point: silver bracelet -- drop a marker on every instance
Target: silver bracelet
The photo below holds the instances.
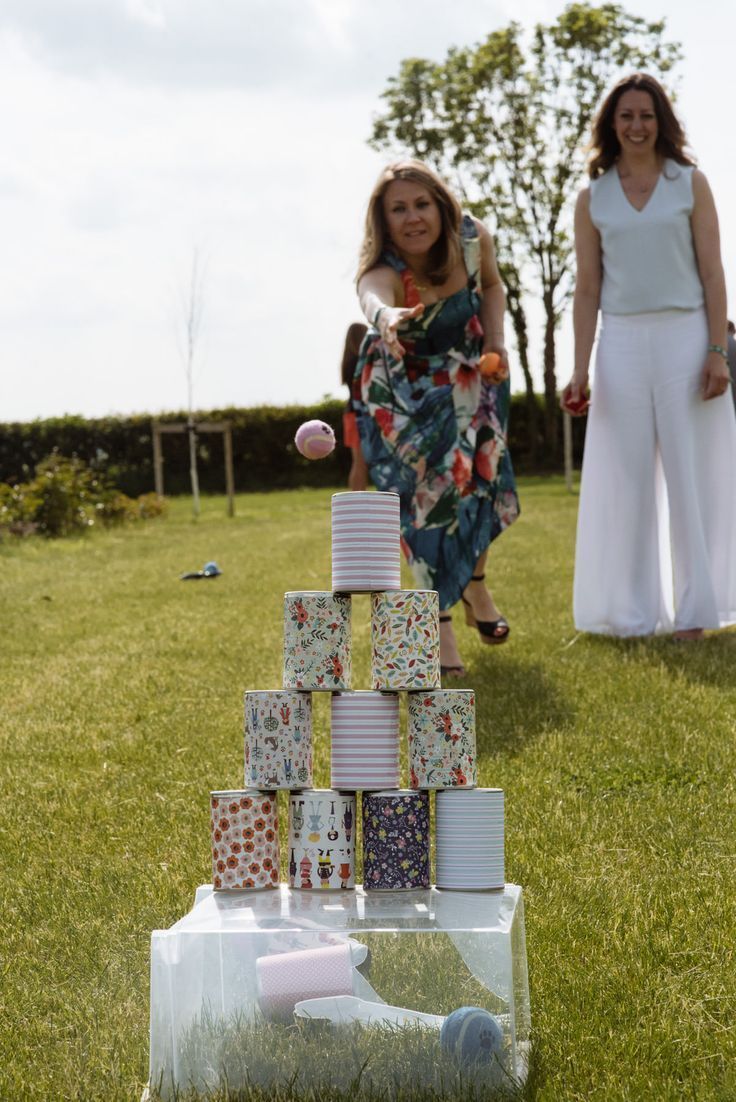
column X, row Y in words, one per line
column 719, row 349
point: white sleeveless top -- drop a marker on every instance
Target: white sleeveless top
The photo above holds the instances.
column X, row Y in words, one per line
column 648, row 255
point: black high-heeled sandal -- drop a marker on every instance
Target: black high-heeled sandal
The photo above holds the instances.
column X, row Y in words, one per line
column 451, row 671
column 490, row 631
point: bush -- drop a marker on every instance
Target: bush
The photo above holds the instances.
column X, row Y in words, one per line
column 17, row 508
column 67, row 496
column 264, row 454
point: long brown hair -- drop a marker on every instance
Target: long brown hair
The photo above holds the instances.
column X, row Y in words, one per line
column 447, row 250
column 605, row 147
column 353, row 339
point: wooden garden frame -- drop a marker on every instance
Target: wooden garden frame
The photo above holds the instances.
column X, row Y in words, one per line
column 225, row 427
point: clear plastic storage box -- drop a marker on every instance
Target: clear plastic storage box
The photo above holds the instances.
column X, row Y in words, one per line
column 325, row 989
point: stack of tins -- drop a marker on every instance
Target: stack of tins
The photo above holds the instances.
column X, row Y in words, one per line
column 364, row 740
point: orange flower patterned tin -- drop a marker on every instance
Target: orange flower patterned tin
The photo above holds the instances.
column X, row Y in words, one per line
column 245, row 840
column 442, row 739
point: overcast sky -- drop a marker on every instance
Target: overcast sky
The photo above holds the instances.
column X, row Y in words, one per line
column 137, row 131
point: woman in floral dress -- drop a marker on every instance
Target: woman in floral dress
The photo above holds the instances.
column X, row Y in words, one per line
column 432, row 429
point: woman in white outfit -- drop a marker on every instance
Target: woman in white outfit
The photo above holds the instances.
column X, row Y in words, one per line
column 656, row 541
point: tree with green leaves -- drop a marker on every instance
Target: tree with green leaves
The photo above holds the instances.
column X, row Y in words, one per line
column 506, row 122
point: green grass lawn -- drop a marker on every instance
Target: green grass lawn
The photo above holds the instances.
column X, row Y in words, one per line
column 121, row 709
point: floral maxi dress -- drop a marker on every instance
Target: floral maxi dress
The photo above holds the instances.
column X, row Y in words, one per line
column 434, row 432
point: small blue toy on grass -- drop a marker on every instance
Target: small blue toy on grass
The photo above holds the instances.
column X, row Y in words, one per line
column 209, row 570
column 472, row 1034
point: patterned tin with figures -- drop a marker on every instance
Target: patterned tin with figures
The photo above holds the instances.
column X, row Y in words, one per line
column 405, row 637
column 317, row 641
column 245, row 840
column 278, row 739
column 321, row 839
column 441, row 735
column 395, row 840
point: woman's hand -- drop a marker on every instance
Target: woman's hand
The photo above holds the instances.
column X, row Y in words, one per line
column 574, row 398
column 388, row 321
column 716, row 378
column 501, row 372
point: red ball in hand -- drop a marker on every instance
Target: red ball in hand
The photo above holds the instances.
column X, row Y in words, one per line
column 580, row 406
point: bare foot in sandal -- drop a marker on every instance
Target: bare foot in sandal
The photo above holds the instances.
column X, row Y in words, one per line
column 451, row 664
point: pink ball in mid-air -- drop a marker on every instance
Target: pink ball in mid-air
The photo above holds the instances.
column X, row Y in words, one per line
column 314, row 439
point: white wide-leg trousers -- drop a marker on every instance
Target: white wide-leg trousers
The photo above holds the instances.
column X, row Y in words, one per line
column 656, row 538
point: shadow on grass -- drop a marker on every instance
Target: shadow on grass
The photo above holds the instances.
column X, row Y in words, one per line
column 712, row 661
column 516, row 703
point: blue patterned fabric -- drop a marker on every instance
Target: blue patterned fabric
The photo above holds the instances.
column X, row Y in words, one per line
column 434, row 431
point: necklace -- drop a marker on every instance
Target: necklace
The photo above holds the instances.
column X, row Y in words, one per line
column 639, row 188
column 640, row 184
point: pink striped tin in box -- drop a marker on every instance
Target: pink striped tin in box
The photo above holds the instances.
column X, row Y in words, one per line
column 365, row 741
column 366, row 548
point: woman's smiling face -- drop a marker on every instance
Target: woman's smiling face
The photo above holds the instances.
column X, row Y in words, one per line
column 635, row 122
column 412, row 217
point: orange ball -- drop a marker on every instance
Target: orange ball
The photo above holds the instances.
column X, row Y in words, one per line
column 489, row 364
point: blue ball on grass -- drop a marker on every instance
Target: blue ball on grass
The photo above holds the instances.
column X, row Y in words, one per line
column 472, row 1035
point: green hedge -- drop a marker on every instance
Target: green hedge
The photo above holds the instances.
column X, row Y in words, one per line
column 264, row 454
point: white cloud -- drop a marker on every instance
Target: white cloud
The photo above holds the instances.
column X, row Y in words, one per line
column 141, row 128
column 149, row 12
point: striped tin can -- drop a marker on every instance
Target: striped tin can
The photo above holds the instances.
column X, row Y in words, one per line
column 405, row 639
column 366, row 548
column 396, row 840
column 317, row 641
column 469, row 828
column 245, row 840
column 365, row 740
column 321, row 839
column 278, row 739
column 441, row 737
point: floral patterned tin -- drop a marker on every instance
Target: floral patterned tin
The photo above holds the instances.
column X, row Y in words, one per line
column 245, row 840
column 322, row 831
column 405, row 636
column 364, row 740
column 278, row 739
column 317, row 641
column 441, row 735
column 366, row 541
column 395, row 840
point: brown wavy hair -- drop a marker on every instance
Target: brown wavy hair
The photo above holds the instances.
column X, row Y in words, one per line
column 353, row 339
column 605, row 147
column 447, row 250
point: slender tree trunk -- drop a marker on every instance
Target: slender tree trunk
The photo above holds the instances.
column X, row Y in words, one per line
column 551, row 410
column 193, row 468
column 518, row 320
